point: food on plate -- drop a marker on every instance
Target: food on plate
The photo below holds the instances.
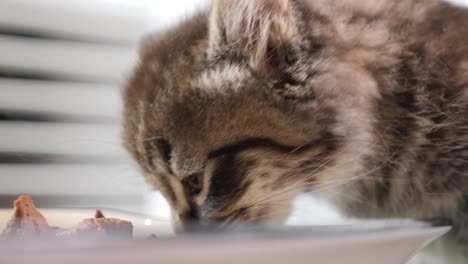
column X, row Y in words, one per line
column 116, row 227
column 28, row 222
column 98, row 214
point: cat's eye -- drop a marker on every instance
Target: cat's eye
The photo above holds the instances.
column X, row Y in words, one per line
column 164, row 148
column 193, row 184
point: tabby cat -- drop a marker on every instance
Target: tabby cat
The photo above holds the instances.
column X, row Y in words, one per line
column 234, row 112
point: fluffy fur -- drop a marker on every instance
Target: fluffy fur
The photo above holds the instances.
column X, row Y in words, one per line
column 236, row 111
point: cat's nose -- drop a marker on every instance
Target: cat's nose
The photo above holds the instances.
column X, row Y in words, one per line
column 189, row 221
column 192, row 222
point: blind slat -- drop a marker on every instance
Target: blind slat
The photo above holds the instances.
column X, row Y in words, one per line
column 121, row 179
column 89, row 140
column 65, row 59
column 115, row 21
column 86, row 100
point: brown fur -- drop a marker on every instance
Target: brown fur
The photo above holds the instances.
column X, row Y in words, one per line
column 266, row 99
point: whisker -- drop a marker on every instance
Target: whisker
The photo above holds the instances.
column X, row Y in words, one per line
column 151, row 139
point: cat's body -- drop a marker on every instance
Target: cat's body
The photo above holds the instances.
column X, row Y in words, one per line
column 232, row 114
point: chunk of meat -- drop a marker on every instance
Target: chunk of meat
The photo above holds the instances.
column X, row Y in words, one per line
column 27, row 221
column 98, row 214
column 115, row 227
column 87, row 228
column 99, row 228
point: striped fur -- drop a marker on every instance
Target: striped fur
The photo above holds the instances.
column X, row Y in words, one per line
column 259, row 100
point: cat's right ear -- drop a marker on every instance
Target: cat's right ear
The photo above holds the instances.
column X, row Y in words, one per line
column 253, row 29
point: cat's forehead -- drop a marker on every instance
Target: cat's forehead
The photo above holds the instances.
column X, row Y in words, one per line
column 211, row 116
column 183, row 92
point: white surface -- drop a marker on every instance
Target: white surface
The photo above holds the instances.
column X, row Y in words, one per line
column 459, row 2
column 167, row 13
column 309, row 210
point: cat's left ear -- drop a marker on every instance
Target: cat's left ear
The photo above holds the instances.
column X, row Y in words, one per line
column 255, row 29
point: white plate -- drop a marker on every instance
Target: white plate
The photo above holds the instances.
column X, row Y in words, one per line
column 368, row 243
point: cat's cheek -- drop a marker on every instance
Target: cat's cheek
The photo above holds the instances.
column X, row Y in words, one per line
column 307, row 112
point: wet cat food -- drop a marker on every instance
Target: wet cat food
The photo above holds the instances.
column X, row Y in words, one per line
column 28, row 222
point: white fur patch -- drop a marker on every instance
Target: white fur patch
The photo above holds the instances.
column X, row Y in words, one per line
column 222, row 77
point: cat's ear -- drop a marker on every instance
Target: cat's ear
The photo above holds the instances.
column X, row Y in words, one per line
column 252, row 29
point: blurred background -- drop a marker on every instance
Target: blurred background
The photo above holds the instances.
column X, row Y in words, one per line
column 62, row 66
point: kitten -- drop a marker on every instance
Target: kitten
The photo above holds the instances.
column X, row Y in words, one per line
column 234, row 112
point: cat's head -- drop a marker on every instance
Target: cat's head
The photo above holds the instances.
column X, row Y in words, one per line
column 232, row 113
